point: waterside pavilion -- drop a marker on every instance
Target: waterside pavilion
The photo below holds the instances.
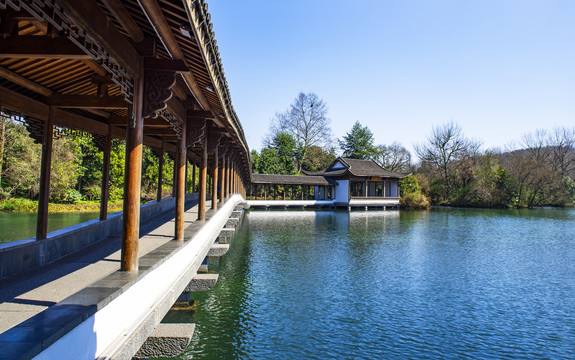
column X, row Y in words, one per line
column 345, row 183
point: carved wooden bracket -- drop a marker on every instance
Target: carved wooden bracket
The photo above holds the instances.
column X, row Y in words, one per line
column 99, row 141
column 174, row 121
column 213, row 142
column 195, row 130
column 35, row 128
column 224, row 145
column 157, row 151
column 157, row 91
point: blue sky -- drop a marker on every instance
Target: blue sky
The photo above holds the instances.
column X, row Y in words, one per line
column 499, row 68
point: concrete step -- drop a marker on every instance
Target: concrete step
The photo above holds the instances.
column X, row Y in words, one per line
column 225, row 236
column 167, row 340
column 218, row 250
column 202, row 282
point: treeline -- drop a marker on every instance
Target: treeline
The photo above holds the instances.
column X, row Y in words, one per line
column 76, row 170
column 453, row 170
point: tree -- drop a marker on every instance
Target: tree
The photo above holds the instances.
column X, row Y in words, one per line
column 306, row 121
column 22, row 161
column 358, row 143
column 562, row 144
column 446, row 146
column 276, row 158
column 393, row 157
column 287, row 150
column 255, row 161
column 318, row 159
column 269, row 161
column 66, row 169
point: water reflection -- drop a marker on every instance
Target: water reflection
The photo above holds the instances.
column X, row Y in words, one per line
column 441, row 284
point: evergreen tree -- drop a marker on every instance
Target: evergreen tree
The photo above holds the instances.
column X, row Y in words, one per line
column 358, row 143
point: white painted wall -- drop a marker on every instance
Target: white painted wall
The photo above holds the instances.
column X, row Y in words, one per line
column 342, row 191
column 338, row 165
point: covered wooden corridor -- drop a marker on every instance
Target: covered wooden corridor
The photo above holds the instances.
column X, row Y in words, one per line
column 147, row 71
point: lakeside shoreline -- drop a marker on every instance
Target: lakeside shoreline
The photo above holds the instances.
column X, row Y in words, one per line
column 22, row 205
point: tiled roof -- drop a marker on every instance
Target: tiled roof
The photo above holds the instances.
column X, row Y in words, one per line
column 358, row 168
column 290, row 180
column 369, row 168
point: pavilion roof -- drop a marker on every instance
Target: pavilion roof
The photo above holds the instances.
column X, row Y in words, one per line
column 357, row 167
column 272, row 179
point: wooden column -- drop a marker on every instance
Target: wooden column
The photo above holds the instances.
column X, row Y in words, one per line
column 174, row 176
column 215, row 181
column 47, row 141
column 133, row 179
column 203, row 174
column 180, row 184
column 222, row 176
column 228, row 177
column 193, row 178
column 160, row 175
column 106, row 175
column 234, row 179
column 186, row 180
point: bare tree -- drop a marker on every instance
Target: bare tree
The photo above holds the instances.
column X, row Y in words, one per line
column 562, row 144
column 446, row 146
column 537, row 145
column 393, row 157
column 306, row 120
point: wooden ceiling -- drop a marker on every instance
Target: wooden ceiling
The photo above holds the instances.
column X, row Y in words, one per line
column 80, row 60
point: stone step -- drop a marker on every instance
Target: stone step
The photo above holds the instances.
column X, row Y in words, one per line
column 218, row 250
column 225, row 236
column 202, row 282
column 167, row 340
column 232, row 223
column 236, row 214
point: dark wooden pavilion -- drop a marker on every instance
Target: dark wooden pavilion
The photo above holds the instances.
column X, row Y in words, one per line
column 147, row 71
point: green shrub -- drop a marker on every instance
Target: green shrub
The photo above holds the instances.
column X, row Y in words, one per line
column 71, row 196
column 415, row 201
column 19, row 205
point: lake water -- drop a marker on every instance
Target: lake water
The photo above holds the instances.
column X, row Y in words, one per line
column 18, row 226
column 444, row 284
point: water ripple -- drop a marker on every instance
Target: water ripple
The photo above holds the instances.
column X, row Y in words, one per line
column 448, row 284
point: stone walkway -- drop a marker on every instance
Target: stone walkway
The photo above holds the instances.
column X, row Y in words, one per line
column 24, row 296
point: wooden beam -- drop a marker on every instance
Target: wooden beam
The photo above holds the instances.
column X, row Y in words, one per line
column 151, row 63
column 34, row 108
column 176, row 108
column 201, row 114
column 148, row 122
column 25, row 83
column 18, row 102
column 95, row 67
column 164, row 31
column 40, row 47
column 125, row 19
column 160, row 131
column 180, row 94
column 92, row 19
column 88, row 102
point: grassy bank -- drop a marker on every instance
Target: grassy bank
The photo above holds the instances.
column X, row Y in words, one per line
column 31, row 206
